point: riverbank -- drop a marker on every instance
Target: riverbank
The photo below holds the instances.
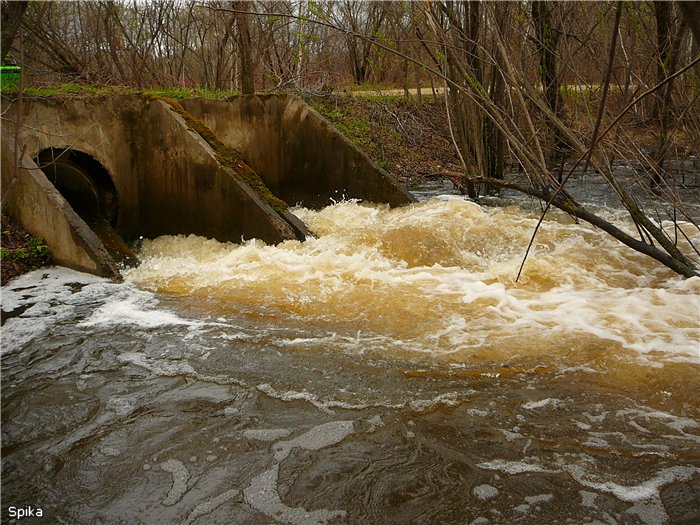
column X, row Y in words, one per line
column 408, row 139
column 411, row 139
column 20, row 253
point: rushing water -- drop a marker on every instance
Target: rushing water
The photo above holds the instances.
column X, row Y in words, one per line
column 388, row 371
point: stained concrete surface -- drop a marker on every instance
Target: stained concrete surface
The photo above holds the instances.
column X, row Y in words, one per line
column 166, row 178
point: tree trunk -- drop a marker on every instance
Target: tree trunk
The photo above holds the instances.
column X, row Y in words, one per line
column 494, row 141
column 464, row 67
column 662, row 16
column 691, row 13
column 668, row 48
column 115, row 48
column 12, row 13
column 547, row 41
column 419, row 90
column 245, row 47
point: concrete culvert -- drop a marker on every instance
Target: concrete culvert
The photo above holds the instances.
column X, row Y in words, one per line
column 88, row 188
column 83, row 182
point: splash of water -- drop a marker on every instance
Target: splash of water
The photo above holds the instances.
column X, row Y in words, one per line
column 438, row 278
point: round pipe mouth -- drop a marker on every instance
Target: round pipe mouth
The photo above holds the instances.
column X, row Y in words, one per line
column 77, row 188
column 83, row 182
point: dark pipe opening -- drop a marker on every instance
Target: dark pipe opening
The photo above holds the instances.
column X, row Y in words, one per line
column 83, row 182
column 88, row 188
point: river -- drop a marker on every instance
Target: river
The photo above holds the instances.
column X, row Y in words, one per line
column 388, row 371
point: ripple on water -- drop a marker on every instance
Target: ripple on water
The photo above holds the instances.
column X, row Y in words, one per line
column 359, row 377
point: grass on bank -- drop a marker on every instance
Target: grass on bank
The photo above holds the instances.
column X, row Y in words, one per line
column 366, row 91
column 177, row 93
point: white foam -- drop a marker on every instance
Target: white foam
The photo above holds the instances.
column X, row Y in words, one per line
column 597, row 442
column 449, row 399
column 588, row 498
column 51, row 295
column 323, row 405
column 651, row 513
column 514, row 467
column 511, row 436
column 43, row 284
column 643, row 491
column 120, row 406
column 540, row 498
column 136, row 310
column 210, row 505
column 262, row 495
column 532, row 405
column 159, row 367
column 374, row 423
column 18, row 332
column 109, row 451
column 456, row 256
column 318, row 437
column 47, row 297
column 180, row 476
column 677, row 423
column 266, row 434
column 596, row 418
column 485, row 492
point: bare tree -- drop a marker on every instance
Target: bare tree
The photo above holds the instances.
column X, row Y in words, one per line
column 691, row 13
column 547, row 36
column 12, row 13
column 363, row 18
column 244, row 46
column 670, row 28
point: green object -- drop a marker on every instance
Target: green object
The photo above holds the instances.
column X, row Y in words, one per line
column 9, row 78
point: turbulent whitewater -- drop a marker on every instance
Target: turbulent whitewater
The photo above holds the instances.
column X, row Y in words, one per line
column 388, row 370
column 438, row 279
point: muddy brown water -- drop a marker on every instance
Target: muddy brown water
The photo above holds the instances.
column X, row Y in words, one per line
column 388, row 371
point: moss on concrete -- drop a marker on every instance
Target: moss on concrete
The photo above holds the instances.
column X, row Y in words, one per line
column 226, row 155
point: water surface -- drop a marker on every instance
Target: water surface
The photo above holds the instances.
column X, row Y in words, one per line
column 389, row 370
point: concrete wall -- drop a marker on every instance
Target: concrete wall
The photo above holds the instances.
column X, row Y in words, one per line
column 301, row 157
column 167, row 178
column 43, row 212
column 183, row 189
column 101, row 126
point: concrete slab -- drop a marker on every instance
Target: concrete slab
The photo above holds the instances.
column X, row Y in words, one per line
column 169, row 174
column 299, row 154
